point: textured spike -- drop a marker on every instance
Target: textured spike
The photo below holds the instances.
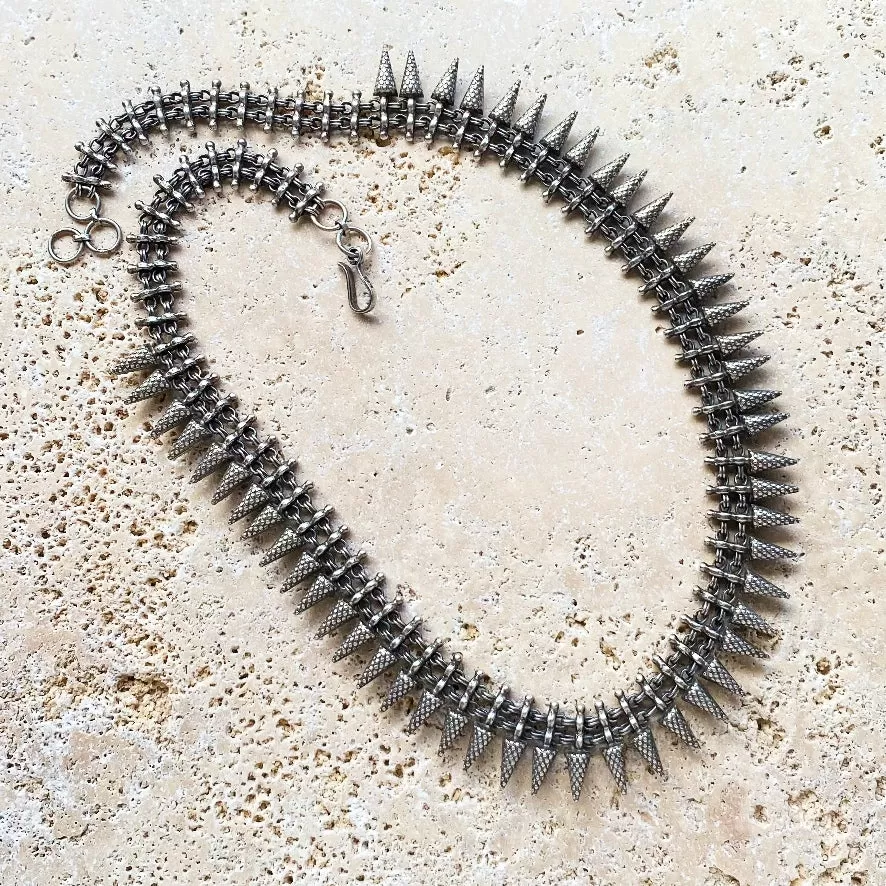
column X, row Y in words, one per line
column 287, row 543
column 736, row 645
column 729, row 344
column 766, row 551
column 360, row 636
column 135, row 361
column 716, row 673
column 319, row 590
column 646, row 215
column 233, row 477
column 762, row 517
column 697, row 695
column 384, row 81
column 644, row 742
column 410, row 87
column 541, row 763
column 473, row 97
column 614, row 755
column 577, row 767
column 400, row 688
column 556, row 138
column 444, row 91
column 686, row 261
column 340, row 614
column 511, row 751
column 173, row 415
column 675, row 722
column 756, row 423
column 750, row 400
column 705, row 287
column 378, row 664
column 768, row 461
column 210, row 462
column 761, row 587
column 480, row 740
column 427, row 704
column 748, row 618
column 578, row 154
column 605, row 175
column 267, row 519
column 737, row 369
column 718, row 313
column 154, row 385
column 504, row 109
column 252, row 501
column 454, row 725
column 527, row 122
column 624, row 193
column 667, row 237
column 305, row 568
column 194, row 433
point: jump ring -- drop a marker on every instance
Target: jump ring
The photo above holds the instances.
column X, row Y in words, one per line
column 102, row 222
column 336, row 225
column 347, row 231
column 93, row 214
column 75, row 235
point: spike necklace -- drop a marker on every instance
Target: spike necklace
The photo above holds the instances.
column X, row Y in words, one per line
column 279, row 504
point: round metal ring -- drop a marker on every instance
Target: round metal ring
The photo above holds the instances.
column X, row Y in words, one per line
column 102, row 222
column 347, row 231
column 96, row 208
column 338, row 224
column 79, row 238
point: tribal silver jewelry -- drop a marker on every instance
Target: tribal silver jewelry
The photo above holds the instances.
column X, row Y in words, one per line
column 278, row 504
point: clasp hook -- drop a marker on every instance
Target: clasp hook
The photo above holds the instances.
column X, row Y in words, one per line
column 353, row 268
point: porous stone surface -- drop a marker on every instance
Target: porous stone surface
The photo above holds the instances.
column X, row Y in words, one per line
column 508, row 437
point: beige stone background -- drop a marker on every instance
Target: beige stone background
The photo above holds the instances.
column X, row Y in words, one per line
column 509, row 438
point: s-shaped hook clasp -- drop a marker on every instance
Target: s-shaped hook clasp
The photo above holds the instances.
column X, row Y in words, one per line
column 353, row 268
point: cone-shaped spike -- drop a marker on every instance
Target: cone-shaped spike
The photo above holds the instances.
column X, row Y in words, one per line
column 706, row 286
column 624, row 193
column 686, row 261
column 675, row 722
column 210, row 462
column 233, row 477
column 193, row 433
column 644, row 742
column 718, row 313
column 305, row 568
column 252, row 501
column 666, row 238
column 427, row 704
column 646, row 215
column 384, row 81
column 756, row 423
column 606, row 174
column 266, row 520
column 716, row 673
column 756, row 584
column 378, row 664
column 360, row 636
column 556, row 138
column 737, row 369
column 527, row 122
column 748, row 400
column 511, row 751
column 729, row 344
column 287, row 543
column 697, row 695
column 319, row 590
column 173, row 415
column 473, row 97
column 444, row 91
column 768, row 461
column 504, row 109
column 480, row 740
column 578, row 154
column 763, row 489
column 341, row 613
column 577, row 766
column 454, row 725
column 762, row 517
column 731, row 642
column 614, row 755
column 766, row 551
column 748, row 618
column 541, row 763
column 400, row 688
column 135, row 361
column 154, row 385
column 411, row 84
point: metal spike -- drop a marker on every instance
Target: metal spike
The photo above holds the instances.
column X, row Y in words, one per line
column 504, row 109
column 729, row 344
column 718, row 313
column 768, row 461
column 400, row 688
column 427, row 704
column 748, row 618
column 410, row 87
column 756, row 423
column 614, row 755
column 234, row 476
column 252, row 501
column 527, row 122
column 767, row 551
column 135, row 361
column 737, row 369
column 193, row 433
column 267, row 519
column 732, row 643
column 646, row 215
column 605, row 175
column 473, row 97
column 340, row 614
column 624, row 193
column 667, row 237
column 210, row 462
column 644, row 742
column 444, row 91
column 748, row 400
column 173, row 415
column 716, row 673
column 705, row 287
column 305, row 568
column 686, row 261
column 763, row 517
column 319, row 590
column 541, row 763
column 697, row 695
column 511, row 751
column 360, row 636
column 480, row 740
column 154, row 385
column 454, row 725
column 384, row 81
column 578, row 154
column 378, row 664
column 287, row 543
column 577, row 766
column 556, row 138
column 763, row 489
column 756, row 584
column 675, row 722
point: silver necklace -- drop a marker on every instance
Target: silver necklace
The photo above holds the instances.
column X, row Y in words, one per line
column 279, row 504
